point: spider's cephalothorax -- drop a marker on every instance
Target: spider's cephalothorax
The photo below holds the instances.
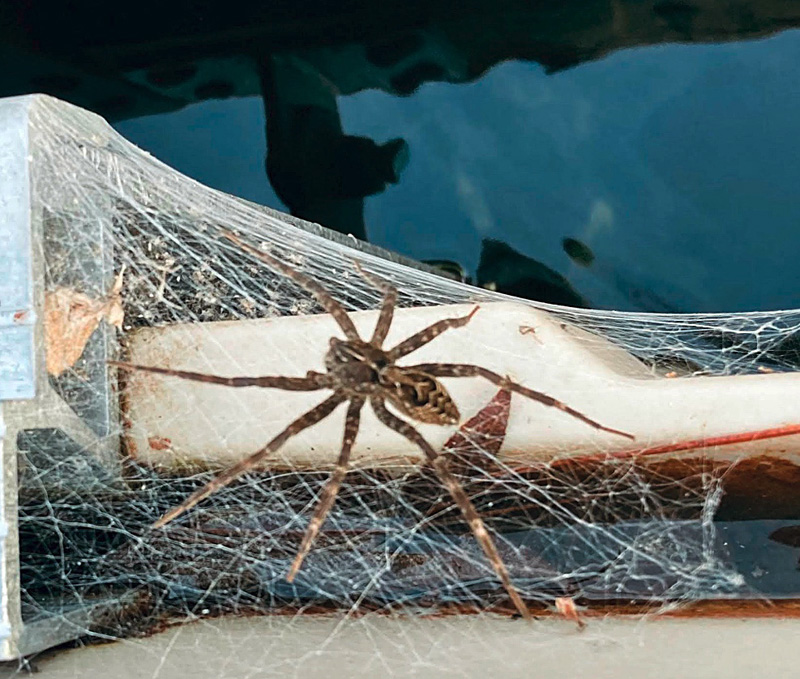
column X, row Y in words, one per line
column 364, row 369
column 355, row 366
column 359, row 371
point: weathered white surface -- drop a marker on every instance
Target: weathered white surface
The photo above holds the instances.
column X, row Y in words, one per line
column 173, row 421
column 6, row 607
column 374, row 646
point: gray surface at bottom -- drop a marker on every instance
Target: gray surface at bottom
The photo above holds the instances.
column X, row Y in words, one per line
column 373, row 646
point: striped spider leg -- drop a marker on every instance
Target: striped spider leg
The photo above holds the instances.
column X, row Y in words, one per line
column 360, row 371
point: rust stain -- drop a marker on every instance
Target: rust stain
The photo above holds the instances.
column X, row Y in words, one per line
column 692, row 444
column 720, row 609
column 159, row 443
column 701, row 610
column 151, row 621
column 20, row 316
column 755, row 608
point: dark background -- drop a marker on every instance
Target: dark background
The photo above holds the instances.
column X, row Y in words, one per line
column 678, row 165
column 662, row 135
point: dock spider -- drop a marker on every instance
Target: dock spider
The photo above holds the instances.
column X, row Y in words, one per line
column 358, row 371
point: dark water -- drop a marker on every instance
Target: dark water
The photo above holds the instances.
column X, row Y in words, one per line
column 677, row 165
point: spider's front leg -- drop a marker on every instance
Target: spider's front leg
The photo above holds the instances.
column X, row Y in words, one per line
column 428, row 334
column 336, row 310
column 387, row 305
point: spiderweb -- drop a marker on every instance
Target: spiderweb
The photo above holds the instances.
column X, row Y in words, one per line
column 127, row 248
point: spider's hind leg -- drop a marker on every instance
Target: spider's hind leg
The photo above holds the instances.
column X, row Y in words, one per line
column 440, row 465
column 306, row 420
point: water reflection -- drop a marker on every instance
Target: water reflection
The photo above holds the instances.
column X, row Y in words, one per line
column 676, row 164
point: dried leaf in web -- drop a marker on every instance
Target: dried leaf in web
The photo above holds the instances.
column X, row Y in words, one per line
column 70, row 318
column 474, row 446
column 478, row 441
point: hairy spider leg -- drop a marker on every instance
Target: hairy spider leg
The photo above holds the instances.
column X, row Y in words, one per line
column 325, row 299
column 387, row 305
column 320, row 412
column 459, row 496
column 428, row 334
column 466, row 370
column 311, row 382
column 331, row 489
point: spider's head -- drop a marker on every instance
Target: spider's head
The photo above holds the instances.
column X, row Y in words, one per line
column 356, row 364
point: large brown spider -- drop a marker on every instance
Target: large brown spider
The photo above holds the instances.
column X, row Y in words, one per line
column 358, row 371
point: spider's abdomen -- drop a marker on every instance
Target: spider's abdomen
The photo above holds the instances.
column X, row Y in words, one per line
column 419, row 396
